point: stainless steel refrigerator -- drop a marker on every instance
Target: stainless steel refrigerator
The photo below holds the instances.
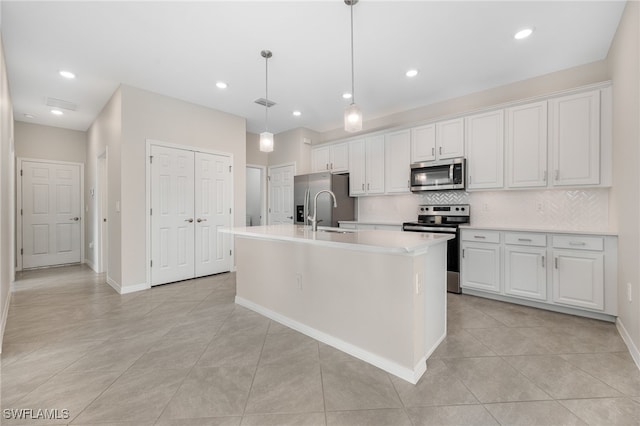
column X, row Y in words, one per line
column 307, row 186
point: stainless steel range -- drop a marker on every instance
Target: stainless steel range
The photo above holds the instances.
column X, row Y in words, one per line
column 444, row 219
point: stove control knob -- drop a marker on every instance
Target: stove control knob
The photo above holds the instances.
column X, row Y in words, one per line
column 462, row 208
column 457, row 209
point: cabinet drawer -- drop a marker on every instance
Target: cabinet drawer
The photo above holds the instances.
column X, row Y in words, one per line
column 481, row 236
column 522, row 239
column 578, row 242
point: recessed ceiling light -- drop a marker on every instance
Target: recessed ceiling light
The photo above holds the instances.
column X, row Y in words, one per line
column 297, row 113
column 412, row 73
column 524, row 33
column 221, row 85
column 56, row 112
column 67, row 74
column 346, row 95
column 29, row 116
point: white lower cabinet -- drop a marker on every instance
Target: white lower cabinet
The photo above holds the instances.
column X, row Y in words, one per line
column 480, row 261
column 563, row 272
column 525, row 272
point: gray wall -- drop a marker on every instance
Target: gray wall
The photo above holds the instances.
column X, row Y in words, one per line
column 50, row 143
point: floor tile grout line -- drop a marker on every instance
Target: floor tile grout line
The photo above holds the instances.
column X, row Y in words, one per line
column 255, row 373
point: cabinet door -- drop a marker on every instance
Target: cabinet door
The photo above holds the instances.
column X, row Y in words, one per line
column 480, row 266
column 339, row 157
column 578, row 278
column 397, row 161
column 375, row 165
column 575, row 139
column 525, row 272
column 320, row 158
column 527, row 145
column 423, row 143
column 357, row 167
column 485, row 144
column 450, row 138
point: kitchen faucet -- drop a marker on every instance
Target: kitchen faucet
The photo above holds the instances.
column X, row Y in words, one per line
column 313, row 220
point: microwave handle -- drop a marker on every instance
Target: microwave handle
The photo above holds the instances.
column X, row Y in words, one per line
column 451, row 173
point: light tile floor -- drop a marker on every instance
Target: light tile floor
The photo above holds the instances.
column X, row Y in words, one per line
column 184, row 354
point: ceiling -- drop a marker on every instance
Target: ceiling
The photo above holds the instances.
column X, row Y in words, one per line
column 181, row 49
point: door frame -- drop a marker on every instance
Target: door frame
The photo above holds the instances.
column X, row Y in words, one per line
column 275, row 166
column 102, row 193
column 148, row 144
column 263, row 190
column 19, row 204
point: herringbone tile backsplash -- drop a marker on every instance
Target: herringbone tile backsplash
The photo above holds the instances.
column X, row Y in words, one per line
column 571, row 210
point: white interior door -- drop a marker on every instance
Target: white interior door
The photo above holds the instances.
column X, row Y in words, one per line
column 172, row 215
column 51, row 214
column 213, row 213
column 281, row 194
column 103, row 200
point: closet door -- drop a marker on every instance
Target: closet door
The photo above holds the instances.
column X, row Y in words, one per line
column 172, row 215
column 213, row 213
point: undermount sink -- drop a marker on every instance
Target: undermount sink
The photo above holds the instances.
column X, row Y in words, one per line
column 337, row 230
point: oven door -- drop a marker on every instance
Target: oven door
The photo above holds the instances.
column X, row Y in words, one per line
column 453, row 252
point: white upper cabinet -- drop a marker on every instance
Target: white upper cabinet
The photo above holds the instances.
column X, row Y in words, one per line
column 366, row 166
column 397, row 147
column 333, row 157
column 526, row 145
column 575, row 139
column 438, row 141
column 485, row 150
column 423, row 143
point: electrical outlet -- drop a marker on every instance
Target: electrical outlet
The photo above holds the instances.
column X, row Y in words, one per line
column 299, row 281
column 629, row 293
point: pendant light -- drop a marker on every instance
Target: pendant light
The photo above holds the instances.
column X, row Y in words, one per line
column 266, row 137
column 352, row 114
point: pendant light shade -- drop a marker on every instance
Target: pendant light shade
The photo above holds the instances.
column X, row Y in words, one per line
column 352, row 114
column 266, row 142
column 266, row 137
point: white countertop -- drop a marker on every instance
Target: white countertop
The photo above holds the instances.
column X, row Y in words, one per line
column 379, row 241
column 372, row 222
column 542, row 230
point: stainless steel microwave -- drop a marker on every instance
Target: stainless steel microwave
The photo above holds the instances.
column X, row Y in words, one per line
column 438, row 175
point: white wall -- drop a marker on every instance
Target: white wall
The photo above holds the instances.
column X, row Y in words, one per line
column 254, row 155
column 292, row 147
column 624, row 60
column 50, row 143
column 147, row 115
column 7, row 194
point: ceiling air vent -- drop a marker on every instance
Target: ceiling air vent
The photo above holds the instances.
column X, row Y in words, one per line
column 264, row 102
column 59, row 103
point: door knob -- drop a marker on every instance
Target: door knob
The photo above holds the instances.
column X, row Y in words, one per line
column 201, row 220
column 75, row 219
column 289, row 217
column 190, row 220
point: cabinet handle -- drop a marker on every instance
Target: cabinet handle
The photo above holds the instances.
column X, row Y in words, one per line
column 577, row 243
column 543, row 261
column 440, row 151
column 557, row 174
column 469, row 179
column 331, row 166
column 408, row 183
column 368, row 187
column 526, row 240
column 480, row 237
column 433, row 152
column 545, row 176
column 363, row 186
column 555, row 261
column 326, row 166
column 463, row 253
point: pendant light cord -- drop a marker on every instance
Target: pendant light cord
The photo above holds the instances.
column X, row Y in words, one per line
column 266, row 93
column 353, row 94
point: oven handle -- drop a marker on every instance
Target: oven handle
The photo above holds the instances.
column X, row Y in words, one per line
column 428, row 229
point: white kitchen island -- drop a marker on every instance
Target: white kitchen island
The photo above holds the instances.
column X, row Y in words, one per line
column 378, row 295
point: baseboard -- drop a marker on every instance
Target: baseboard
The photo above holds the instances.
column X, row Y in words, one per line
column 410, row 375
column 633, row 349
column 3, row 318
column 91, row 265
column 127, row 289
